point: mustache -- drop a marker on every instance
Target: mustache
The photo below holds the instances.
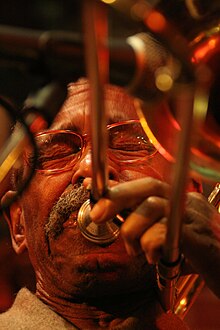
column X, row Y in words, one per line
column 69, row 202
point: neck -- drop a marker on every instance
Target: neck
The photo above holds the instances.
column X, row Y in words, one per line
column 131, row 311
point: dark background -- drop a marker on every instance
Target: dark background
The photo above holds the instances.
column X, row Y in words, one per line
column 16, row 84
column 45, row 16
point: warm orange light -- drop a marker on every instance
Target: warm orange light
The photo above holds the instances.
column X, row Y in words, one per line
column 139, row 10
column 212, row 43
column 150, row 134
column 108, row 1
column 205, row 49
column 155, row 21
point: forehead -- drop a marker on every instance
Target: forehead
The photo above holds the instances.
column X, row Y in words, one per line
column 76, row 111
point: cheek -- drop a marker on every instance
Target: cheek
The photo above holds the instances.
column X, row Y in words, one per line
column 44, row 190
column 156, row 167
column 128, row 175
column 162, row 167
column 37, row 202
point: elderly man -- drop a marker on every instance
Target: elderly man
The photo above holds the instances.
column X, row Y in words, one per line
column 79, row 284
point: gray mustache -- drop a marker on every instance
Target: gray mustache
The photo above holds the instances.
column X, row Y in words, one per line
column 68, row 202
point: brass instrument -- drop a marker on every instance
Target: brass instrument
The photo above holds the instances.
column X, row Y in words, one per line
column 188, row 287
column 187, row 81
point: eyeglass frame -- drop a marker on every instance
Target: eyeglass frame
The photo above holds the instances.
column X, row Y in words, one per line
column 83, row 138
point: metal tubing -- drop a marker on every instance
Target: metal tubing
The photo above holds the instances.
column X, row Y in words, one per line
column 180, row 177
column 97, row 72
column 169, row 265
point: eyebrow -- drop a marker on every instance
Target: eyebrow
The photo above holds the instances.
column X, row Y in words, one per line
column 69, row 127
column 117, row 118
column 66, row 126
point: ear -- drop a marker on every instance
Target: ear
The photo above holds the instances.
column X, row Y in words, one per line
column 15, row 219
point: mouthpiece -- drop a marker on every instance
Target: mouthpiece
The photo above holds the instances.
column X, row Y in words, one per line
column 102, row 234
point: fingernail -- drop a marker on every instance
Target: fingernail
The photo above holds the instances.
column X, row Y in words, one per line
column 149, row 260
column 89, row 187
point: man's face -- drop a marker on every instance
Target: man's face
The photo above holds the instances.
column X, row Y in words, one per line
column 67, row 264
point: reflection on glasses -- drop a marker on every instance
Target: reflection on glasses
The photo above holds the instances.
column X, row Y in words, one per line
column 59, row 150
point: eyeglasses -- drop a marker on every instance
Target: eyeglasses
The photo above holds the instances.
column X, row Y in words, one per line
column 59, row 150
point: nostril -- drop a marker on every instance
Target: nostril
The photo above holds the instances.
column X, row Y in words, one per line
column 80, row 180
column 111, row 176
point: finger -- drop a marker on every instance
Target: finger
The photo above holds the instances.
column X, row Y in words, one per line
column 152, row 242
column 87, row 183
column 127, row 195
column 138, row 222
column 196, row 206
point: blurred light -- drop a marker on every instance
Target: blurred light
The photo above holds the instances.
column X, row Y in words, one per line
column 200, row 106
column 140, row 10
column 183, row 302
column 150, row 134
column 155, row 21
column 108, row 1
column 205, row 49
column 163, row 79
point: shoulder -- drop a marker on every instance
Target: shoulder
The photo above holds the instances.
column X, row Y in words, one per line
column 28, row 312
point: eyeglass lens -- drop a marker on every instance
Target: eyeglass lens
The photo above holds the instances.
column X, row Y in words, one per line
column 59, row 150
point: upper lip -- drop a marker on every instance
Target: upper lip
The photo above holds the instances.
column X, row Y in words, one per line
column 72, row 219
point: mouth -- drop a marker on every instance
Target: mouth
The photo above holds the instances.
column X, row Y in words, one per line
column 71, row 222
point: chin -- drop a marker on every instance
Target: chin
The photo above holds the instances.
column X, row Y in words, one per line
column 97, row 284
column 83, row 268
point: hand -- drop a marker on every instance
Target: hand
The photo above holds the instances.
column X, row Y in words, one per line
column 201, row 239
column 144, row 230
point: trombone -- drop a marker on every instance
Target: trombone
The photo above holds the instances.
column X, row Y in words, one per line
column 176, row 293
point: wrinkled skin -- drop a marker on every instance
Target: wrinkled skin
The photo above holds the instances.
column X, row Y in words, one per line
column 71, row 270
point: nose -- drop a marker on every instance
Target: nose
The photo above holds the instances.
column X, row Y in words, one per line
column 84, row 168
